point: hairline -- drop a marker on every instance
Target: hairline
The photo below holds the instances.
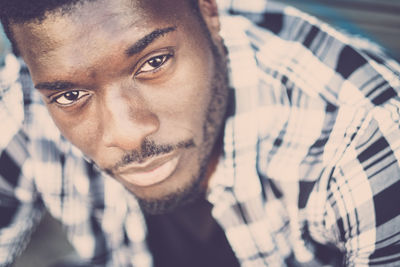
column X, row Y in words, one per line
column 61, row 10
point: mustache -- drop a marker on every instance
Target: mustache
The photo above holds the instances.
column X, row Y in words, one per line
column 148, row 150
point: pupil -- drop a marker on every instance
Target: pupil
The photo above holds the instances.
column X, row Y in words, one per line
column 156, row 62
column 72, row 95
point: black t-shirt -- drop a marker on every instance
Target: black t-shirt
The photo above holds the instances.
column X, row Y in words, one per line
column 189, row 237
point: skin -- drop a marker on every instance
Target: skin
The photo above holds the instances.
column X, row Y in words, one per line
column 128, row 102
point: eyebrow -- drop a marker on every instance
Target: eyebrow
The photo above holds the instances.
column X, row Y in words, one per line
column 57, row 85
column 134, row 49
column 144, row 42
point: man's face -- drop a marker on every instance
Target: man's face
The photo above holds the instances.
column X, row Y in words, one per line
column 138, row 86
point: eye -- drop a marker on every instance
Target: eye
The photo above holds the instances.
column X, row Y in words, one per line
column 69, row 98
column 154, row 63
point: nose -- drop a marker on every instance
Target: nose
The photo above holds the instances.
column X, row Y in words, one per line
column 126, row 120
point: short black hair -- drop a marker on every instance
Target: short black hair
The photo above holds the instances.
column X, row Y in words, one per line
column 22, row 11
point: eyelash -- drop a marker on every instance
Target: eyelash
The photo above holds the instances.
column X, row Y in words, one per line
column 164, row 59
column 81, row 94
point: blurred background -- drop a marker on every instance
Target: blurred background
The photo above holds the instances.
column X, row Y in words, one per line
column 377, row 20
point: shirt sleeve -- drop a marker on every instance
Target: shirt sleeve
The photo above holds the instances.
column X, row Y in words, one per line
column 20, row 206
column 355, row 204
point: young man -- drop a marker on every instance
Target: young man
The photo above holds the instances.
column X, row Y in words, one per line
column 208, row 124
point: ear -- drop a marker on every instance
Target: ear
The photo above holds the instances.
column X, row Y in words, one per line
column 209, row 11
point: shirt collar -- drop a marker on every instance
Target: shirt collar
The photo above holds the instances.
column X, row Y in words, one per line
column 237, row 166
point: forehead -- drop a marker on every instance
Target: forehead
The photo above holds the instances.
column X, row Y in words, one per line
column 104, row 15
column 103, row 9
column 90, row 28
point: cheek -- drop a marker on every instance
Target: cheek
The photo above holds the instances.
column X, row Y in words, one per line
column 183, row 109
column 80, row 129
column 184, row 99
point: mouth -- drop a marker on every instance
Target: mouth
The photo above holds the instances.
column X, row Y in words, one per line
column 150, row 173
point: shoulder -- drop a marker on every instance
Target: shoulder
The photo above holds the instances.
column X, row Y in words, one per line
column 318, row 59
column 352, row 202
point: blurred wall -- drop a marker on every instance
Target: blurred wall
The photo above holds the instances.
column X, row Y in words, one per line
column 4, row 44
column 378, row 20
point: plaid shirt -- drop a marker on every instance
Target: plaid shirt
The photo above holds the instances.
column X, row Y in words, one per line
column 312, row 105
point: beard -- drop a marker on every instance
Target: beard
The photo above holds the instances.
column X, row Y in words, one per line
column 212, row 139
column 172, row 201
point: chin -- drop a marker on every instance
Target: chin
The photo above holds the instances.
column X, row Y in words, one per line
column 172, row 193
column 170, row 201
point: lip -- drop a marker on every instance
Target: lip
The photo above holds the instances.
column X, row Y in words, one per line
column 150, row 173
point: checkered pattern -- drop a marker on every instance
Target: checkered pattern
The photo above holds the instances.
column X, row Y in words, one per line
column 311, row 105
